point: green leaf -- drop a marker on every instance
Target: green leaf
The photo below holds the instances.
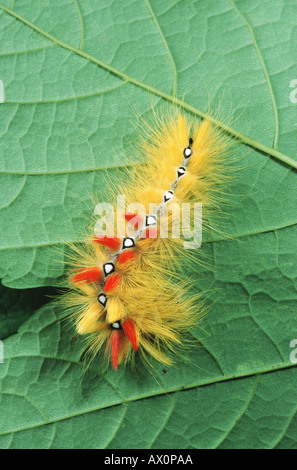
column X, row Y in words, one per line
column 76, row 75
column 239, row 390
column 17, row 305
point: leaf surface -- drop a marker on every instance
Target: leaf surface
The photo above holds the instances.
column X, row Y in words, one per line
column 76, row 76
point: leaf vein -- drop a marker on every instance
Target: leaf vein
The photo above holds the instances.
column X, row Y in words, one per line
column 264, row 67
column 174, row 87
column 246, row 140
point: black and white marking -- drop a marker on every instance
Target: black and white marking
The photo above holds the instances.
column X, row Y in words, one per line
column 102, row 299
column 181, row 171
column 167, row 196
column 116, row 325
column 128, row 243
column 150, row 220
column 108, row 268
column 188, row 152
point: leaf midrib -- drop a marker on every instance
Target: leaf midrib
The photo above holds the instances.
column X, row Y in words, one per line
column 246, row 140
column 225, row 378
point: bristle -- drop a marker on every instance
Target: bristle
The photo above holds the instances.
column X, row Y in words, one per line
column 88, row 275
column 129, row 330
column 112, row 282
column 87, row 322
column 150, row 232
column 116, row 339
column 136, row 220
column 113, row 243
column 137, row 301
column 116, row 310
column 126, row 256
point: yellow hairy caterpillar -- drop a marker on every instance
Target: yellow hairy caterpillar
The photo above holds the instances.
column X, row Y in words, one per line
column 123, row 286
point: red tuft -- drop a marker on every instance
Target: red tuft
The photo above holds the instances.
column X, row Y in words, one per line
column 116, row 340
column 127, row 255
column 150, row 232
column 129, row 330
column 112, row 282
column 88, row 275
column 137, row 219
column 113, row 243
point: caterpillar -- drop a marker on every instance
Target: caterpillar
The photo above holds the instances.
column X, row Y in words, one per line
column 127, row 295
